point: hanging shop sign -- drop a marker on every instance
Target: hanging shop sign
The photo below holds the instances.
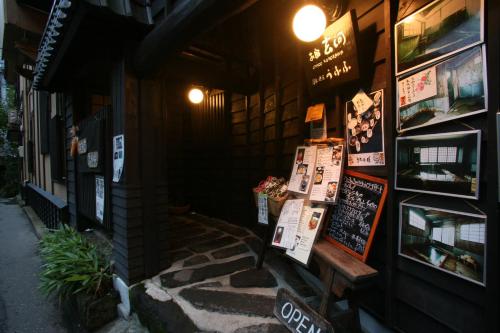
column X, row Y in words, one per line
column 333, row 60
column 99, row 198
column 118, row 157
column 307, row 231
column 298, row 316
column 365, row 129
column 352, row 224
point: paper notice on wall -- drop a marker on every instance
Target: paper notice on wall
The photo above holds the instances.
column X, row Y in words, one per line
column 329, row 164
column 263, row 210
column 99, row 198
column 362, row 102
column 417, row 87
column 118, row 157
column 303, row 169
column 307, row 231
column 82, row 146
column 288, row 222
column 315, row 112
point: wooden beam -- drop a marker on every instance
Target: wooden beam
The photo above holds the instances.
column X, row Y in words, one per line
column 209, row 74
column 187, row 20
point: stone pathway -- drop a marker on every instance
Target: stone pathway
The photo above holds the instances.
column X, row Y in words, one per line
column 212, row 285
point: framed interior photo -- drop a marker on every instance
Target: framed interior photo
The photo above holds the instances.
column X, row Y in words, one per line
column 445, row 163
column 451, row 89
column 439, row 29
column 451, row 241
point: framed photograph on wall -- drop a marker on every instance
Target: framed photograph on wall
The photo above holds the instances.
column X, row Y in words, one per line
column 445, row 163
column 451, row 241
column 451, row 89
column 439, row 29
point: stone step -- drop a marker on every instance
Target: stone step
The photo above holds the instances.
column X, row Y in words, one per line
column 189, row 276
column 226, row 302
column 160, row 316
column 253, row 278
column 212, row 244
column 230, row 251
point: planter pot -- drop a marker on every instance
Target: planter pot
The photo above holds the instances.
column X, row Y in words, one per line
column 179, row 210
column 92, row 313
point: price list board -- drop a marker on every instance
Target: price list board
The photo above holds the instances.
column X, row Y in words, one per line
column 354, row 219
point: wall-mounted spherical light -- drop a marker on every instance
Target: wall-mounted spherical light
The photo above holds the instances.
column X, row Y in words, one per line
column 309, row 23
column 195, row 96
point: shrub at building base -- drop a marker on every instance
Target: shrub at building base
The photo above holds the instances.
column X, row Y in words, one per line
column 79, row 275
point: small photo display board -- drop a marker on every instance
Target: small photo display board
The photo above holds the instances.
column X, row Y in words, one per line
column 307, row 231
column 328, row 170
column 351, row 226
column 365, row 129
column 303, row 169
column 288, row 223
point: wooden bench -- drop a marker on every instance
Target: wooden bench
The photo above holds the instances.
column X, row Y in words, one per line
column 344, row 276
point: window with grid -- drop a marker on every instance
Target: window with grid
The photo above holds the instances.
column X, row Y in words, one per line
column 444, row 235
column 473, row 232
column 433, row 154
column 424, row 155
column 416, row 220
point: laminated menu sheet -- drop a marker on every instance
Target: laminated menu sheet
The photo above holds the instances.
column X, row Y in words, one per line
column 307, row 231
column 303, row 169
column 328, row 170
column 288, row 222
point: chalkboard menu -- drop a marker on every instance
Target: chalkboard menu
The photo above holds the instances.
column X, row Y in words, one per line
column 352, row 224
column 333, row 59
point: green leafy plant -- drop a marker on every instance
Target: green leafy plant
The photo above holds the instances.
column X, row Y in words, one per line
column 72, row 265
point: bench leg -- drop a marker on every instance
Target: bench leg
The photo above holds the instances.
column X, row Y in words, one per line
column 330, row 275
column 353, row 305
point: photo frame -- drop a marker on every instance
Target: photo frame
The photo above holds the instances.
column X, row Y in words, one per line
column 447, row 240
column 445, row 163
column 453, row 88
column 344, row 228
column 437, row 30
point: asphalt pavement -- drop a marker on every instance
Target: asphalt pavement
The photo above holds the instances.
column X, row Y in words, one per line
column 23, row 309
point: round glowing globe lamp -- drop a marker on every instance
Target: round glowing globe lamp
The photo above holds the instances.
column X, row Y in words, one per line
column 195, row 96
column 309, row 23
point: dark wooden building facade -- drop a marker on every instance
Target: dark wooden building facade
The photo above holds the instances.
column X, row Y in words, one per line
column 139, row 64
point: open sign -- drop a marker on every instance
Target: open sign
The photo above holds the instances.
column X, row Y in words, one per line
column 297, row 316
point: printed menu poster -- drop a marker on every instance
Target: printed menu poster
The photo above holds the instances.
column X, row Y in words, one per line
column 288, row 222
column 307, row 231
column 365, row 130
column 303, row 169
column 329, row 163
column 99, row 198
column 263, row 210
column 118, row 157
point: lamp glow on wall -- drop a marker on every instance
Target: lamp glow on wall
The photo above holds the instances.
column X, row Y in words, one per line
column 196, row 95
column 309, row 23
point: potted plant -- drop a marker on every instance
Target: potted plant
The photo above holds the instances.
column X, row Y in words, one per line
column 79, row 274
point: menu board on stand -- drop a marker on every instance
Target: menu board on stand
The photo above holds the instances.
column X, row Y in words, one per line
column 354, row 219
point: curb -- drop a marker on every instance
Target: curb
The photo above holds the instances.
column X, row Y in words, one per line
column 38, row 226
